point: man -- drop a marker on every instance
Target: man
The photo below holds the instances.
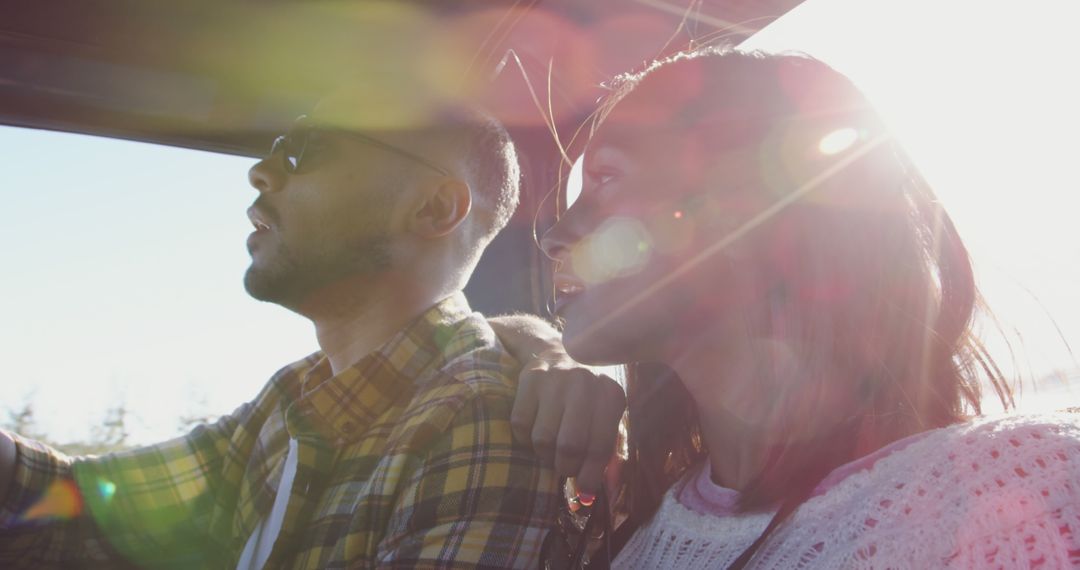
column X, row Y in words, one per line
column 391, row 446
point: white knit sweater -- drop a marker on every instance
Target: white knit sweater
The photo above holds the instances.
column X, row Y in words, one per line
column 994, row 493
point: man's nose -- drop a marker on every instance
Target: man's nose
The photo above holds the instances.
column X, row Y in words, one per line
column 265, row 177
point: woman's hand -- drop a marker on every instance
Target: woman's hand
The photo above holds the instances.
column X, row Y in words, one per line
column 567, row 411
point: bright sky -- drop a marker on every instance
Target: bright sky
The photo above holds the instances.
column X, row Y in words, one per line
column 123, row 265
column 124, row 260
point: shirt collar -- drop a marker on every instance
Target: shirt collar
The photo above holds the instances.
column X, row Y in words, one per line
column 341, row 408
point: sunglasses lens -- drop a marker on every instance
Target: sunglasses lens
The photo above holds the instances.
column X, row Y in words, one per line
column 291, row 147
column 292, row 161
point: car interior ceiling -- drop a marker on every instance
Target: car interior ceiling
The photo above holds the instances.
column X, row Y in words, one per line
column 227, row 76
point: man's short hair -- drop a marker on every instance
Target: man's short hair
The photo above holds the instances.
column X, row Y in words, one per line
column 493, row 169
column 467, row 131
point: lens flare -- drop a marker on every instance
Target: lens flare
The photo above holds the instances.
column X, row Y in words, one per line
column 61, row 500
column 838, row 141
column 619, row 247
column 107, row 489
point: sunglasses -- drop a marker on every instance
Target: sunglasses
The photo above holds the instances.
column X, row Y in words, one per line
column 294, row 145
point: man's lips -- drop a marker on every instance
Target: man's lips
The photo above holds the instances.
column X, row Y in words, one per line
column 258, row 219
column 262, row 222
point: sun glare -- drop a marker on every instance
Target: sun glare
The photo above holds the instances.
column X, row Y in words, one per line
column 992, row 125
column 838, row 141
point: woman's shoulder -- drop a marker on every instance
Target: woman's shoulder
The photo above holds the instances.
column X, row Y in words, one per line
column 990, row 492
column 998, row 491
column 1060, row 426
column 976, row 492
column 994, row 443
column 983, row 454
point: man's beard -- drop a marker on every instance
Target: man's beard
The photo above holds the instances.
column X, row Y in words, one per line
column 291, row 280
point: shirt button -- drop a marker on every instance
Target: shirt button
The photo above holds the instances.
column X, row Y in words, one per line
column 348, row 427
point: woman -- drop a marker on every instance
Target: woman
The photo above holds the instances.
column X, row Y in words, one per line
column 747, row 224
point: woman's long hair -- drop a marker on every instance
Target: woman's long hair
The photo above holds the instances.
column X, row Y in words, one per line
column 870, row 278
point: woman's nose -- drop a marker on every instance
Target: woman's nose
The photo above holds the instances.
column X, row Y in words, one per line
column 557, row 241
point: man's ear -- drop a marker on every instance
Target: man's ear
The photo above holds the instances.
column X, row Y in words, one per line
column 444, row 207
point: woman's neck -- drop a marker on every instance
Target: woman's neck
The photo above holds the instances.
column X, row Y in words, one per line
column 746, row 398
column 736, row 450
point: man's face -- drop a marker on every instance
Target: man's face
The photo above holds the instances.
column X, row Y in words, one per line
column 328, row 221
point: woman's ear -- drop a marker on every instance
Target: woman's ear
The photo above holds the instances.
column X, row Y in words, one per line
column 443, row 207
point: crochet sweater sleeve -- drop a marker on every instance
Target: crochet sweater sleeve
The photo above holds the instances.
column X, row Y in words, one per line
column 993, row 493
column 1017, row 483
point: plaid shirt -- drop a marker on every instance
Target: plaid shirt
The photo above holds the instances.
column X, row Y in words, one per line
column 405, row 461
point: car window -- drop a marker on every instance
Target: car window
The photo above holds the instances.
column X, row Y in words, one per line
column 123, row 266
column 123, row 261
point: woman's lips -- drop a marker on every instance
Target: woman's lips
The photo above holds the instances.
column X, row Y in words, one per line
column 567, row 288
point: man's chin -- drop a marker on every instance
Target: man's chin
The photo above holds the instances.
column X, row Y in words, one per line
column 263, row 287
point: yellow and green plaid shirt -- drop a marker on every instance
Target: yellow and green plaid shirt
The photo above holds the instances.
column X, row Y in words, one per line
column 405, row 461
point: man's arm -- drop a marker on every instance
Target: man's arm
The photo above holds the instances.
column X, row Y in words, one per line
column 142, row 506
column 7, row 464
column 567, row 411
column 473, row 499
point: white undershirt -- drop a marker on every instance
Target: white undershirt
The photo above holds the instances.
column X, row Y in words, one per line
column 258, row 547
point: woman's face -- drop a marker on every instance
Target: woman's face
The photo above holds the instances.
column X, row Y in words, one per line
column 644, row 259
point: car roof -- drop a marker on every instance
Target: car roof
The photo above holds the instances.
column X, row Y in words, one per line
column 222, row 75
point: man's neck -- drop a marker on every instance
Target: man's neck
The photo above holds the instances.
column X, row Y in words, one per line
column 349, row 325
